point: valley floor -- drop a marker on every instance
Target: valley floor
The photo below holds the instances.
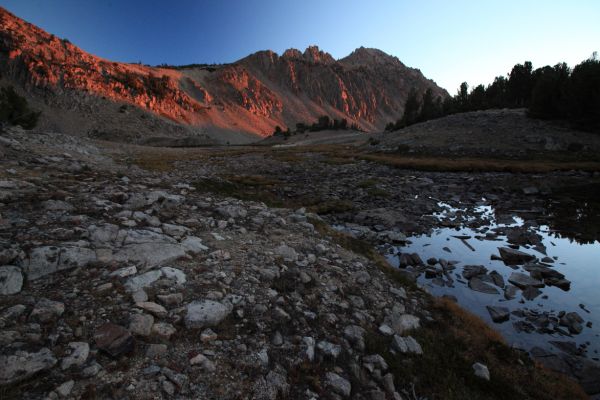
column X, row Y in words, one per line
column 132, row 272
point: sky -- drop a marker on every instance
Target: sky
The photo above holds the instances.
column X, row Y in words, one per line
column 450, row 41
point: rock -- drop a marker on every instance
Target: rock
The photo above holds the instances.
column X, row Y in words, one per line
column 114, row 339
column 193, row 245
column 174, row 230
column 309, row 342
column 208, row 335
column 163, row 330
column 136, row 283
column 530, row 293
column 23, row 365
column 155, row 309
column 481, row 371
column 406, row 345
column 203, row 313
column 513, row 257
column 376, row 360
column 47, row 310
column 65, row 389
column 57, row 205
column 329, row 349
column 287, row 253
column 232, row 211
column 573, row 322
column 141, row 324
column 47, row 260
column 338, row 384
column 480, row 286
column 498, row 314
column 79, row 352
column 172, row 299
column 355, row 335
column 203, row 362
column 522, row 281
column 471, row 271
column 174, row 274
column 402, row 323
column 124, row 272
column 139, row 296
column 11, row 280
column 156, row 350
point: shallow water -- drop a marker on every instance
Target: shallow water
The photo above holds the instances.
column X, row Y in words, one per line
column 580, row 263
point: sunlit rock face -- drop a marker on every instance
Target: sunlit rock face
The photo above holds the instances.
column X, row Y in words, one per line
column 255, row 94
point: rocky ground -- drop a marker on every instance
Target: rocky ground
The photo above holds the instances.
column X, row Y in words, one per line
column 204, row 281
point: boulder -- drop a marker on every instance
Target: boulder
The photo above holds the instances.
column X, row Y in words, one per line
column 204, row 313
column 514, row 257
column 114, row 339
column 22, row 365
column 338, row 384
column 522, row 280
column 498, row 314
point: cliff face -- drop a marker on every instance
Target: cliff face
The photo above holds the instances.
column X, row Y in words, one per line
column 252, row 95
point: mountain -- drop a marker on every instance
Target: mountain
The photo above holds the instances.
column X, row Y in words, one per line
column 130, row 102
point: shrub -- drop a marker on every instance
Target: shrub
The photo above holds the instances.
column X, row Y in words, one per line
column 14, row 109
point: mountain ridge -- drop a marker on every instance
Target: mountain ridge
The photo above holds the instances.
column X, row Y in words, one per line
column 250, row 96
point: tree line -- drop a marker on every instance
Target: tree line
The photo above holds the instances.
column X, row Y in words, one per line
column 557, row 92
column 323, row 123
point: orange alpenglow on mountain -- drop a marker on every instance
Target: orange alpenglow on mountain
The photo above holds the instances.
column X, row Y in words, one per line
column 253, row 95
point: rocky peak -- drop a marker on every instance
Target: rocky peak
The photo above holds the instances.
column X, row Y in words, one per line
column 315, row 55
column 292, row 54
column 369, row 56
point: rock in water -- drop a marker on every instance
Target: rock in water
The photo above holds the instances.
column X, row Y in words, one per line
column 522, row 281
column 498, row 314
column 514, row 257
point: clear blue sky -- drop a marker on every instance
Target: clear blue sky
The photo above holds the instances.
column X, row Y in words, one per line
column 451, row 41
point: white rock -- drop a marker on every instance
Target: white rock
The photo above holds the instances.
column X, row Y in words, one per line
column 11, row 280
column 203, row 313
column 79, row 352
column 481, row 371
column 193, row 244
column 22, row 365
column 174, row 274
column 146, row 279
column 338, row 384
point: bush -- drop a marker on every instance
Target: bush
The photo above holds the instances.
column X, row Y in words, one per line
column 14, row 109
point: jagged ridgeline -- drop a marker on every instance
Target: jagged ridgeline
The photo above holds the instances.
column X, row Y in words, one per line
column 368, row 88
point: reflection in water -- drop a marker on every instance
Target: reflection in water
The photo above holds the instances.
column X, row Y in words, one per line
column 535, row 313
column 574, row 213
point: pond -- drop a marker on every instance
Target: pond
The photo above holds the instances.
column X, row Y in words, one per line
column 535, row 314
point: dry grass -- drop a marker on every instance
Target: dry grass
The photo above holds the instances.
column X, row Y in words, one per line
column 477, row 165
column 452, row 342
